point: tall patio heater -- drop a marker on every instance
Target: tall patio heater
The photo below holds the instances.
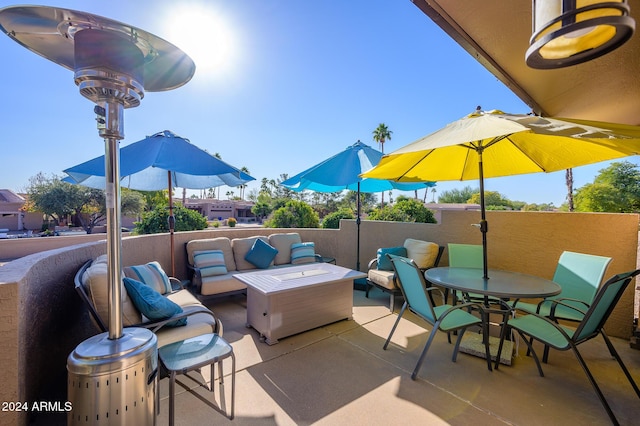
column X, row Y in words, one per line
column 112, row 377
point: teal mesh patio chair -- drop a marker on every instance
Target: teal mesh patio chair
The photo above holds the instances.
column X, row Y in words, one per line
column 561, row 337
column 417, row 297
column 579, row 275
column 468, row 256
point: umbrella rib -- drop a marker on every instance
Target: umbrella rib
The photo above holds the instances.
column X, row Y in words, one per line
column 540, row 166
column 412, row 167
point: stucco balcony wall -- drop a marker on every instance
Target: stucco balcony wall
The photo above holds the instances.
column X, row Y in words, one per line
column 42, row 318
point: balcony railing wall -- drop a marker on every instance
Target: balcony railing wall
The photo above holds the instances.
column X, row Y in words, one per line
column 42, row 318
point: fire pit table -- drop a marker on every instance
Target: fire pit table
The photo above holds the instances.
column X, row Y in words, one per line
column 287, row 301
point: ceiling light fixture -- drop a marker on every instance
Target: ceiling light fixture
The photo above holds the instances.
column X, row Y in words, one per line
column 570, row 32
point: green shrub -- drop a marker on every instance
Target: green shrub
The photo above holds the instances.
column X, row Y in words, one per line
column 294, row 214
column 332, row 220
column 232, row 222
column 416, row 210
column 389, row 214
column 157, row 221
column 404, row 210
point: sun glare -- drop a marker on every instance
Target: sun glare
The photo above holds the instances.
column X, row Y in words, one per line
column 205, row 35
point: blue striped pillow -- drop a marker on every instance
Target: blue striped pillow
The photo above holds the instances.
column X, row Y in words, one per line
column 150, row 274
column 303, row 253
column 210, row 262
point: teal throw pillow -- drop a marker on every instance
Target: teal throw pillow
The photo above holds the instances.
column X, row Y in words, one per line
column 261, row 254
column 210, row 262
column 152, row 304
column 303, row 253
column 384, row 264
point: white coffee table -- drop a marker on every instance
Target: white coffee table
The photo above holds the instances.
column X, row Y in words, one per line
column 286, row 301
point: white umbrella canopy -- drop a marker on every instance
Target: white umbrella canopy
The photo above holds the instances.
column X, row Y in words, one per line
column 494, row 143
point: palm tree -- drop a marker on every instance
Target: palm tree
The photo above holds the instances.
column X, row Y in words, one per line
column 381, row 134
column 242, row 187
column 568, row 176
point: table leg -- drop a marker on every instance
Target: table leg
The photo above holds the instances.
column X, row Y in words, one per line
column 213, row 379
column 485, row 336
column 233, row 385
column 172, row 386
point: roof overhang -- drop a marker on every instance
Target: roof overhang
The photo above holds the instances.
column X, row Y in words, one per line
column 497, row 32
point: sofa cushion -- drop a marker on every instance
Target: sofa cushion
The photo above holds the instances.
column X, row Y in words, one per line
column 198, row 324
column 210, row 262
column 241, row 247
column 218, row 284
column 261, row 254
column 184, row 298
column 96, row 284
column 382, row 278
column 150, row 274
column 152, row 304
column 303, row 253
column 384, row 264
column 220, row 243
column 423, row 253
column 283, row 242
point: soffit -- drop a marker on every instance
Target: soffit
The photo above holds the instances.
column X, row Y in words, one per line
column 497, row 32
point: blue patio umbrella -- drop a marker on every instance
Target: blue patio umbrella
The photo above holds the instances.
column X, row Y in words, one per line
column 163, row 160
column 342, row 171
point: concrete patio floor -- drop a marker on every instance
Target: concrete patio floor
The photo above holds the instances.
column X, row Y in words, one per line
column 339, row 375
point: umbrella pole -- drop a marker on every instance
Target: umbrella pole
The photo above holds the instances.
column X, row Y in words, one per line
column 172, row 223
column 358, row 228
column 483, row 217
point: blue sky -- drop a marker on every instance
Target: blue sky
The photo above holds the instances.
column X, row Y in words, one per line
column 280, row 85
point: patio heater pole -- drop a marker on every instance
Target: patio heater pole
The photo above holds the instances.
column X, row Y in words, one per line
column 112, row 133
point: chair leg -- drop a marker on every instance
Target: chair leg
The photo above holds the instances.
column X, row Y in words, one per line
column 393, row 329
column 545, row 355
column 615, row 354
column 392, row 301
column 503, row 335
column 532, row 352
column 458, row 341
column 595, row 386
column 424, row 351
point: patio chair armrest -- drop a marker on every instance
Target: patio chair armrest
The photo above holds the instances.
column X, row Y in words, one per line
column 462, row 306
column 373, row 263
column 430, row 289
column 562, row 302
column 196, row 282
column 187, row 312
column 176, row 284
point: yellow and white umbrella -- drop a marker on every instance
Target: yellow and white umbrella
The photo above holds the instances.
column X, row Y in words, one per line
column 493, row 144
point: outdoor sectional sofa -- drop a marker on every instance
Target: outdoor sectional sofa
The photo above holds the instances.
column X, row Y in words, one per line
column 215, row 261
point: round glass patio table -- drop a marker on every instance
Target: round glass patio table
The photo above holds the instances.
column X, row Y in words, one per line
column 501, row 284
